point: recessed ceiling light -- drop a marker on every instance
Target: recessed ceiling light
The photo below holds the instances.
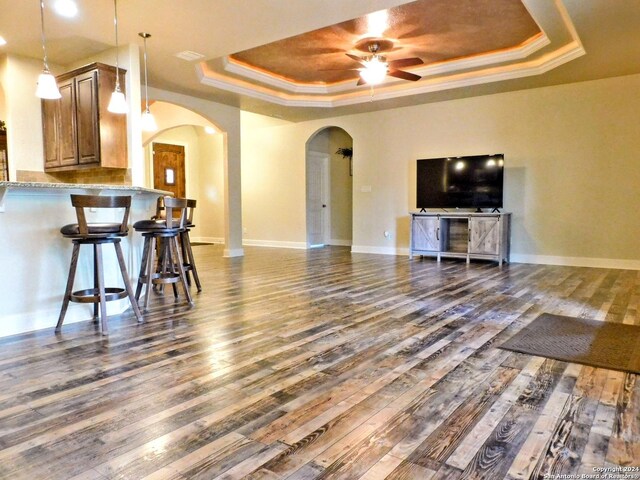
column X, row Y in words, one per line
column 189, row 56
column 2, row 41
column 66, row 8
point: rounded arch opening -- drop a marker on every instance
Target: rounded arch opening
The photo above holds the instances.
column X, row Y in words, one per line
column 186, row 139
column 329, row 187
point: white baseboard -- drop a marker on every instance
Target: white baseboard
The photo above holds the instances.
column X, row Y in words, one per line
column 340, row 243
column 216, row 240
column 379, row 250
column 47, row 318
column 274, row 243
column 621, row 264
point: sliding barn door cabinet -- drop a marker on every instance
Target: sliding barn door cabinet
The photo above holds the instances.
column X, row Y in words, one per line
column 484, row 236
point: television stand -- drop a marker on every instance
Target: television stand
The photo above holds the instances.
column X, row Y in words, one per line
column 470, row 236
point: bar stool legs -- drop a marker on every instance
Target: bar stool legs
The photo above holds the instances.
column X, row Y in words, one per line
column 166, row 268
column 189, row 260
column 99, row 294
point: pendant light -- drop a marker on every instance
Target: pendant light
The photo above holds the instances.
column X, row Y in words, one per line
column 118, row 104
column 148, row 122
column 47, row 87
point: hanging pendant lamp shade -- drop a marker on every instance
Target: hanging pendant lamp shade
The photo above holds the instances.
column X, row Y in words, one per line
column 117, row 104
column 148, row 122
column 47, row 88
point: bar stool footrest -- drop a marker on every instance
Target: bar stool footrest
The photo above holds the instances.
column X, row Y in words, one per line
column 162, row 278
column 92, row 295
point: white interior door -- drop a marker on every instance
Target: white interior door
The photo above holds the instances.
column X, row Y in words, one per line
column 318, row 220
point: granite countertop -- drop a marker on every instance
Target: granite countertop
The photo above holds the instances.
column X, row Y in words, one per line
column 77, row 186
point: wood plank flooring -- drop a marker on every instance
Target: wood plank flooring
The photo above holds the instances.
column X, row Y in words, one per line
column 325, row 365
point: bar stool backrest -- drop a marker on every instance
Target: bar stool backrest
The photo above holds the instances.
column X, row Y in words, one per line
column 80, row 202
column 191, row 206
column 171, row 204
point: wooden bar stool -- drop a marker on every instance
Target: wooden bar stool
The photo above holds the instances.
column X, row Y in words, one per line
column 162, row 234
column 189, row 261
column 97, row 234
column 185, row 243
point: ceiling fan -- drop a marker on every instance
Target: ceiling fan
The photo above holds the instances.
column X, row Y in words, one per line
column 375, row 67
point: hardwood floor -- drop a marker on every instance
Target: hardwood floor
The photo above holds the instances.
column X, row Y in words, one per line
column 323, row 365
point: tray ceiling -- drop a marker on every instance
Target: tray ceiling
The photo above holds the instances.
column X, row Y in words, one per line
column 461, row 42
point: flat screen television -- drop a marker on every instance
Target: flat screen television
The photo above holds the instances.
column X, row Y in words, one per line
column 460, row 182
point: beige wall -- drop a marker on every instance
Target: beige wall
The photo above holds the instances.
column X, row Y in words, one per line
column 273, row 176
column 571, row 175
column 210, row 185
column 22, row 114
column 341, row 188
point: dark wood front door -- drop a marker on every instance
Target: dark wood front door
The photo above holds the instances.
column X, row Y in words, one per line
column 168, row 168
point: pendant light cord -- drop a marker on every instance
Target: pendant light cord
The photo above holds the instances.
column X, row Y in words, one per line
column 115, row 22
column 44, row 42
column 146, row 77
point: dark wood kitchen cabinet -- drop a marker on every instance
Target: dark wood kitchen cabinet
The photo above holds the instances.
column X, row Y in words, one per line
column 78, row 130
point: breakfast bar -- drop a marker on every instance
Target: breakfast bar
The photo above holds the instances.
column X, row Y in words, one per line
column 36, row 256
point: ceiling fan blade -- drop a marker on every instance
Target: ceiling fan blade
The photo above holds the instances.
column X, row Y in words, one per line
column 404, row 75
column 355, row 57
column 405, row 62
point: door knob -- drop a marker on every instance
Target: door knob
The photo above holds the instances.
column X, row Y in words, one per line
column 324, row 206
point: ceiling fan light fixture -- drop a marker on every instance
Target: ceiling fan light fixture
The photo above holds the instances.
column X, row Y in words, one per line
column 374, row 71
column 47, row 88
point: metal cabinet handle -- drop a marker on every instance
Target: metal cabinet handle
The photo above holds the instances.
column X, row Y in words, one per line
column 438, row 233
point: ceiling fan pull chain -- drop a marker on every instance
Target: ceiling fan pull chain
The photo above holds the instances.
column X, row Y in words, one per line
column 371, row 98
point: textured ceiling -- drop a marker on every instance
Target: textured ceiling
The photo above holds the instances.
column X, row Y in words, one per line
column 432, row 30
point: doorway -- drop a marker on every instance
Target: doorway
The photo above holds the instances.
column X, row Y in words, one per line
column 318, row 213
column 329, row 188
column 168, row 168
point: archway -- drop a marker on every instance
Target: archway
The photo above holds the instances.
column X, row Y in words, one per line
column 329, row 188
column 227, row 119
column 204, row 156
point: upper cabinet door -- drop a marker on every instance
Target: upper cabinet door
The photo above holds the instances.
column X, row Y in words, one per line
column 66, row 129
column 87, row 118
column 78, row 130
column 50, row 125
